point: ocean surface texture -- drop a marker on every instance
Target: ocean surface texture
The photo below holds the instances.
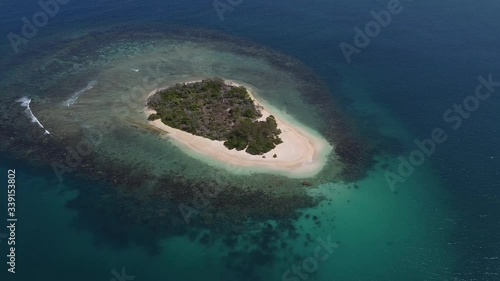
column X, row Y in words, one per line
column 407, row 90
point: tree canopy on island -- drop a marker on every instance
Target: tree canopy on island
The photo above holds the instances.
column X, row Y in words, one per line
column 215, row 110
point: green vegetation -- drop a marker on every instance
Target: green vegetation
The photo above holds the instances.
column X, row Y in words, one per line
column 217, row 111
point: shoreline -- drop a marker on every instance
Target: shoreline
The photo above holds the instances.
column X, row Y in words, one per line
column 303, row 152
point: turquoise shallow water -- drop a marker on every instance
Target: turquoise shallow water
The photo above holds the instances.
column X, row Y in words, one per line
column 440, row 225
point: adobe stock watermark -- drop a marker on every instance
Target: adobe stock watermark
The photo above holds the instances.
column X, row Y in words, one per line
column 40, row 19
column 223, row 6
column 123, row 276
column 309, row 265
column 362, row 38
column 454, row 117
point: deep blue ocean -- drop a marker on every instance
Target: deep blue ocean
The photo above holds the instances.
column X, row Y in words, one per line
column 427, row 59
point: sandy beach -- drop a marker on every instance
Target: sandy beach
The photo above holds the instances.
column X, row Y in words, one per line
column 302, row 153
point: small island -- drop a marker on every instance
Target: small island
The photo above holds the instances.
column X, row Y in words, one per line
column 224, row 124
column 218, row 111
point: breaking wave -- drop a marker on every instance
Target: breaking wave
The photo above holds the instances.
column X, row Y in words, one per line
column 75, row 95
column 26, row 103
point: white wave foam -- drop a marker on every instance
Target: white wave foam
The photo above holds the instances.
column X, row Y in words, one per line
column 26, row 103
column 76, row 94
